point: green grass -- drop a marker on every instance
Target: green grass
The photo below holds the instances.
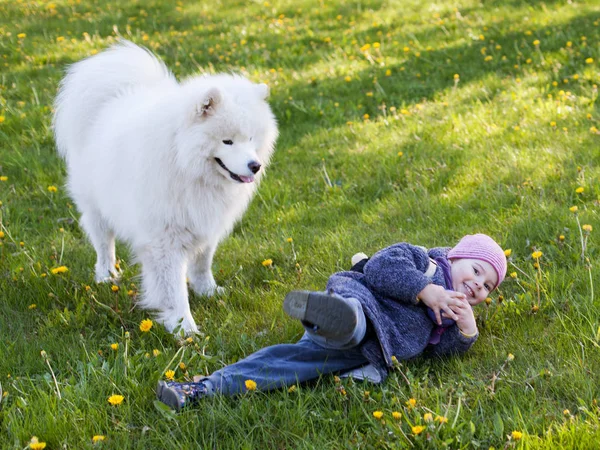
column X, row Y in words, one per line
column 500, row 149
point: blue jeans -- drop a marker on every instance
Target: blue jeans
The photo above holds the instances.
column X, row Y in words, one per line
column 284, row 365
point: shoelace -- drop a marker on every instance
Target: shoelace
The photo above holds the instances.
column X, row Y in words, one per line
column 192, row 391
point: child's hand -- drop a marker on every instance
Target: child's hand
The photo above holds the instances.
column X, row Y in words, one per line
column 466, row 320
column 440, row 300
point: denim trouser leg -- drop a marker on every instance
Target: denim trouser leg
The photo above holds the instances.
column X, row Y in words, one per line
column 283, row 365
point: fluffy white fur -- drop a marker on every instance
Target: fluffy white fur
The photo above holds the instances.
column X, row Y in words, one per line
column 143, row 154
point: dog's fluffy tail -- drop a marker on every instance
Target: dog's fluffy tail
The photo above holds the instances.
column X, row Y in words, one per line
column 94, row 81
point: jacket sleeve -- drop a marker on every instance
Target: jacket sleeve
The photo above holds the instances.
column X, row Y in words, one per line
column 398, row 272
column 452, row 342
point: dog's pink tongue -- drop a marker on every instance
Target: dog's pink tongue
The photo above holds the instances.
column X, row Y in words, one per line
column 249, row 179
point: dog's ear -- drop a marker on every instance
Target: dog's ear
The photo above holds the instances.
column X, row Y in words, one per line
column 263, row 91
column 210, row 101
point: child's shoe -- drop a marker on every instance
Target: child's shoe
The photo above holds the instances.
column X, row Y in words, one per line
column 327, row 314
column 177, row 395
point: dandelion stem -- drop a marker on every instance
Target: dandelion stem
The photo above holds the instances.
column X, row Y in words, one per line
column 582, row 240
column 457, row 411
column 182, row 348
column 591, row 282
column 45, row 356
column 326, row 175
column 62, row 249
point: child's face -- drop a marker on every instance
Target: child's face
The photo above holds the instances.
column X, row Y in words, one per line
column 474, row 278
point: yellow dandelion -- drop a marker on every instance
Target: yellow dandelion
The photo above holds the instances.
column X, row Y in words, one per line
column 292, row 388
column 366, row 117
column 552, row 124
column 348, row 79
column 57, row 270
column 115, row 399
column 182, row 365
column 587, row 228
column 2, row 119
column 97, row 438
column 290, row 240
column 267, row 262
column 516, row 435
column 21, row 35
column 2, row 234
column 170, row 375
column 573, row 209
column 417, row 429
column 589, row 60
column 488, row 301
column 428, row 417
column 561, row 237
column 507, row 252
column 35, row 444
column 510, row 357
column 388, row 73
column 441, row 419
column 513, row 274
column 411, row 403
column 536, row 42
column 579, row 190
column 566, row 412
column 145, row 325
column 114, row 346
column 156, row 352
column 456, row 76
column 250, row 385
column 396, row 415
column 400, row 154
column 378, row 414
column 536, row 255
column 3, row 178
column 60, row 38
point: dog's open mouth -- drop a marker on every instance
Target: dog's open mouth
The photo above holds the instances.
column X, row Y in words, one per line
column 235, row 176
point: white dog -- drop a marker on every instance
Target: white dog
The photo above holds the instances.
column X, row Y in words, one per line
column 167, row 167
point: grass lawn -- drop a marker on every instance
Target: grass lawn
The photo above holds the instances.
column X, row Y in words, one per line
column 416, row 121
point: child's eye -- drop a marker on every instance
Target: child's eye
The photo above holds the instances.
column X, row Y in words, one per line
column 228, row 142
column 476, row 271
column 487, row 287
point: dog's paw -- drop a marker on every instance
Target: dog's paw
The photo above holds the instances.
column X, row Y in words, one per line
column 206, row 287
column 107, row 276
column 182, row 325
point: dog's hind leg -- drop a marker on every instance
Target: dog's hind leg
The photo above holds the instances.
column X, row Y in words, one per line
column 164, row 288
column 200, row 272
column 103, row 240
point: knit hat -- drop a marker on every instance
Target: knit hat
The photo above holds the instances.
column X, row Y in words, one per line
column 484, row 248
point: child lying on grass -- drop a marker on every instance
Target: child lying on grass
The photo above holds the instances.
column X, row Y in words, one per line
column 402, row 302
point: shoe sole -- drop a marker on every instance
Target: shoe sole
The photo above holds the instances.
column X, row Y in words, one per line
column 334, row 317
column 167, row 395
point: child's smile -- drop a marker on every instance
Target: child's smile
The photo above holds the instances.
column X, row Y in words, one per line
column 473, row 277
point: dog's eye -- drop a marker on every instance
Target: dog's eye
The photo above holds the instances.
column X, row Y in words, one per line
column 228, row 142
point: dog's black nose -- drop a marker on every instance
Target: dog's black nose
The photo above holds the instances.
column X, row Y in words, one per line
column 254, row 166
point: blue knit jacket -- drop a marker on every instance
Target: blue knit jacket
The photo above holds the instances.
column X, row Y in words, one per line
column 387, row 290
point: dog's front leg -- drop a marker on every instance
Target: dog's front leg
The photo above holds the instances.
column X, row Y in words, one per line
column 164, row 288
column 200, row 272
